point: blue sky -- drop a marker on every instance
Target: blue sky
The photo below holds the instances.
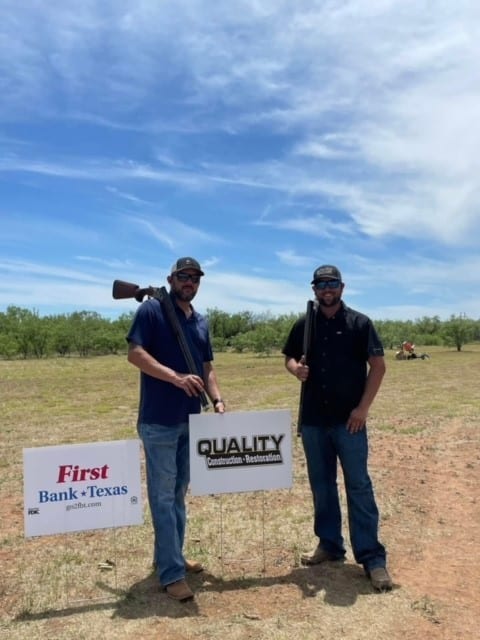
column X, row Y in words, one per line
column 263, row 137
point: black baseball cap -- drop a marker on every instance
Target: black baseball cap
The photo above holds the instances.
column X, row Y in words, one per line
column 326, row 271
column 186, row 263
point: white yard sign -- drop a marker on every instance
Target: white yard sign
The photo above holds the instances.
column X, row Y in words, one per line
column 240, row 451
column 82, row 486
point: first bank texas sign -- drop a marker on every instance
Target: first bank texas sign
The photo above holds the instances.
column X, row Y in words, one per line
column 240, row 451
column 82, row 486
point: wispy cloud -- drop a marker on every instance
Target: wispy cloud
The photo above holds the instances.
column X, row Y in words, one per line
column 173, row 233
column 292, row 259
column 111, row 264
column 38, row 270
column 321, row 149
column 350, row 126
column 127, row 196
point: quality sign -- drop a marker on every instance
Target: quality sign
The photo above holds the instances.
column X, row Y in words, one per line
column 240, row 451
column 82, row 486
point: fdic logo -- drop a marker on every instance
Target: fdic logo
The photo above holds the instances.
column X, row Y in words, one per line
column 222, row 453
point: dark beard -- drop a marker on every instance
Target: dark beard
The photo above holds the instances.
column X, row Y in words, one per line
column 183, row 296
column 335, row 300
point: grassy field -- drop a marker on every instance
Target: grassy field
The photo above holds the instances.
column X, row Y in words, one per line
column 425, row 458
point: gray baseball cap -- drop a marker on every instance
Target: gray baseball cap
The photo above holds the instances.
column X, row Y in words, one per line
column 186, row 263
column 326, row 271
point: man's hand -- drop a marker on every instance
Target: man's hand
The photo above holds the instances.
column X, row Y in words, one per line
column 190, row 383
column 219, row 407
column 302, row 370
column 357, row 420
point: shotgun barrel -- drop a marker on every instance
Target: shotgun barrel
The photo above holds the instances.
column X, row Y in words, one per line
column 165, row 300
column 307, row 338
column 122, row 290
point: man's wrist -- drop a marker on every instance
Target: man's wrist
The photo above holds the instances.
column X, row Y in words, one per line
column 218, row 401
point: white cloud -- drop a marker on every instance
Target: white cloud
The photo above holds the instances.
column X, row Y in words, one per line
column 420, row 286
column 394, row 79
column 21, row 269
column 292, row 259
column 130, row 197
column 318, row 149
column 173, row 233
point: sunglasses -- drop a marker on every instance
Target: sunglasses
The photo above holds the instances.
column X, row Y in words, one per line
column 185, row 277
column 331, row 284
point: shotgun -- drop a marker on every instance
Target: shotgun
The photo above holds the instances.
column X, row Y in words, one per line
column 122, row 290
column 307, row 337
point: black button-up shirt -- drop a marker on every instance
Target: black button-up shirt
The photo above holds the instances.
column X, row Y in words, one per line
column 338, row 354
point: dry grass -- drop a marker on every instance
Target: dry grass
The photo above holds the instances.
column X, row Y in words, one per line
column 422, row 431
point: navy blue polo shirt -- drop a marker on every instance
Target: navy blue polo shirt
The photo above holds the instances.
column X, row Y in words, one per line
column 337, row 359
column 162, row 402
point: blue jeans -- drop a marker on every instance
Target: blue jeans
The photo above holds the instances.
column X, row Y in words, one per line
column 168, row 474
column 322, row 446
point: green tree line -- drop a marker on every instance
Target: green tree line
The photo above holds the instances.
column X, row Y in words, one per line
column 26, row 334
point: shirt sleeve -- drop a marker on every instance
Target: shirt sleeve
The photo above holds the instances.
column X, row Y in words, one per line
column 140, row 329
column 374, row 345
column 293, row 347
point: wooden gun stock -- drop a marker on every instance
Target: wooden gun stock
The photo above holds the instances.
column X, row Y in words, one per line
column 122, row 290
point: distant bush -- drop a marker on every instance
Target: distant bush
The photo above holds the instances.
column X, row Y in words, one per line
column 24, row 334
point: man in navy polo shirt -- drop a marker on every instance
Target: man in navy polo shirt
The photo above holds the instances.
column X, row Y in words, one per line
column 342, row 373
column 168, row 395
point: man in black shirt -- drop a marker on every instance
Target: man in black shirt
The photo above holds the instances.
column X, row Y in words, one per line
column 341, row 373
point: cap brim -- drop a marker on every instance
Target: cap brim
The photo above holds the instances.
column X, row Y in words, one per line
column 324, row 278
column 200, row 273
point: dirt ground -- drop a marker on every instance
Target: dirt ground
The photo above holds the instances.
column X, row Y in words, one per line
column 433, row 544
column 432, row 540
column 427, row 486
